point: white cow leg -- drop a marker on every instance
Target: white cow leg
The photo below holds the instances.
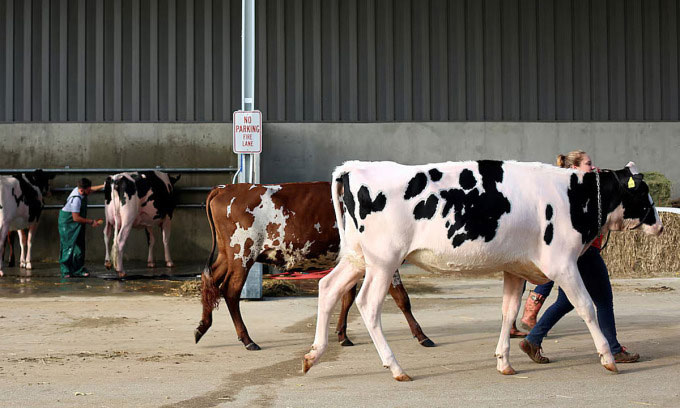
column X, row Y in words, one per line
column 578, row 296
column 512, row 293
column 29, row 244
column 341, row 279
column 120, row 244
column 151, row 241
column 165, row 227
column 370, row 301
column 107, row 238
column 22, row 244
column 4, row 229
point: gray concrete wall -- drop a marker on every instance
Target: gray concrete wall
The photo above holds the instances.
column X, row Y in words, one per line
column 310, row 151
column 82, row 145
column 305, row 152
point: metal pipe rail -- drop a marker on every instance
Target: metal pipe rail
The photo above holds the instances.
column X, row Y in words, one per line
column 185, row 170
column 60, row 206
column 69, row 170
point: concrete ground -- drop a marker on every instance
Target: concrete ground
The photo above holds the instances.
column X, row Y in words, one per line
column 99, row 343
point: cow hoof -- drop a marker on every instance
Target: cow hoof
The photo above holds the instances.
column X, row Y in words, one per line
column 22, row 265
column 28, row 265
column 121, row 275
column 197, row 335
column 427, row 343
column 252, row 347
column 508, row 371
column 107, row 265
column 150, row 265
column 611, row 367
column 307, row 363
column 170, row 264
column 403, row 377
column 346, row 343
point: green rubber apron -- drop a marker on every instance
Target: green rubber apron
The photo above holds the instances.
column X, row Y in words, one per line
column 72, row 242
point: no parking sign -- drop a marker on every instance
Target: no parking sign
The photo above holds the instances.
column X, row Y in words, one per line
column 247, row 131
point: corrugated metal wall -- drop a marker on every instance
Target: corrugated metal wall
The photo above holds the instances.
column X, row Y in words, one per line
column 341, row 60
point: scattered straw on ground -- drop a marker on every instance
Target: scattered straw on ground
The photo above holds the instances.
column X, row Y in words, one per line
column 635, row 254
column 276, row 287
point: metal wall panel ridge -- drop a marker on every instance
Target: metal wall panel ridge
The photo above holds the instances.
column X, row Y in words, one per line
column 341, row 60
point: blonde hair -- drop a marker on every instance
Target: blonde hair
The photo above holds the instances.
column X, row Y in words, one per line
column 573, row 158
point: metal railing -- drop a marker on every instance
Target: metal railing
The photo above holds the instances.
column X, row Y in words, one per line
column 180, row 170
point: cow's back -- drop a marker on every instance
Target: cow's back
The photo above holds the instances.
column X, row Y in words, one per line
column 464, row 216
column 290, row 225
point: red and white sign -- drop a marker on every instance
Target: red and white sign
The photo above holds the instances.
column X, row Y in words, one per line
column 247, row 131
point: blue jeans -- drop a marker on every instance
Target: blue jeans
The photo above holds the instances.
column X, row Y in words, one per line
column 544, row 289
column 596, row 280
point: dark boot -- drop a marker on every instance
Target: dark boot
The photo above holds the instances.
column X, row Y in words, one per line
column 624, row 356
column 531, row 308
column 515, row 333
column 533, row 351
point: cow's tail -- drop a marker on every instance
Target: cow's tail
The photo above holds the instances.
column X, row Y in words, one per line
column 210, row 294
column 337, row 188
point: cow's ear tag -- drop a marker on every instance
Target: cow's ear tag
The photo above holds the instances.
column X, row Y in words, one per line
column 631, row 183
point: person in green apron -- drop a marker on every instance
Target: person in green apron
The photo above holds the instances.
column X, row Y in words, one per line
column 72, row 221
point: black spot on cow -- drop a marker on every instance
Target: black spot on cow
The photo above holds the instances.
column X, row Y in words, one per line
column 548, row 212
column 426, row 209
column 415, row 186
column 348, row 198
column 162, row 196
column 28, row 182
column 107, row 189
column 476, row 215
column 583, row 206
column 435, row 175
column 467, row 179
column 126, row 188
column 361, row 229
column 548, row 236
column 368, row 205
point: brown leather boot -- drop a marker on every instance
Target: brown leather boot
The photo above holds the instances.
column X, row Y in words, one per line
column 533, row 351
column 531, row 308
column 624, row 356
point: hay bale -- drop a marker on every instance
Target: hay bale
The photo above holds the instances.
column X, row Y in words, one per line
column 635, row 254
column 659, row 188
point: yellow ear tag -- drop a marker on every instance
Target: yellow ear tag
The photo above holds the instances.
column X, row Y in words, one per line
column 631, row 183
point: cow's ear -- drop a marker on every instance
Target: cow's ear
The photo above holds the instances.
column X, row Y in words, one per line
column 632, row 168
column 174, row 180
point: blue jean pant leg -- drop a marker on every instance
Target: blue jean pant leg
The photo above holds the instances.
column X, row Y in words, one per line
column 596, row 280
column 544, row 289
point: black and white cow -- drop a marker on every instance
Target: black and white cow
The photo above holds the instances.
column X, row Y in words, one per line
column 21, row 203
column 137, row 200
column 530, row 220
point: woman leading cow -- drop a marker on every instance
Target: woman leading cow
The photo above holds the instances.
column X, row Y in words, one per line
column 596, row 280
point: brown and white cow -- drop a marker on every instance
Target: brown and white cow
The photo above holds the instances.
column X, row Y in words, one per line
column 291, row 226
column 137, row 200
column 21, row 203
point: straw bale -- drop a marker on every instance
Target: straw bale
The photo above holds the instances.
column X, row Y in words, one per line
column 635, row 254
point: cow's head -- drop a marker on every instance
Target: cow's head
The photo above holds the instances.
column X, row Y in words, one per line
column 636, row 209
column 41, row 180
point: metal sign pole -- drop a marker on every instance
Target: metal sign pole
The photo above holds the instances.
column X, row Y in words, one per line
column 250, row 170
